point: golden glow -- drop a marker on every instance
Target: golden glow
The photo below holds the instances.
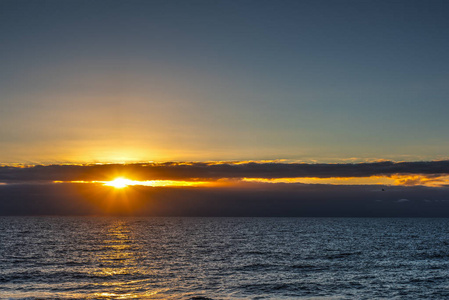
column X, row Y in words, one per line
column 123, row 182
column 394, row 180
column 424, row 180
column 377, row 180
column 119, row 183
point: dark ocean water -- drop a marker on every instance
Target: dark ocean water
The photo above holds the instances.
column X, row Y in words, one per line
column 223, row 258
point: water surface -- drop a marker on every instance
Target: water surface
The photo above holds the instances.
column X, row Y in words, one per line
column 223, row 258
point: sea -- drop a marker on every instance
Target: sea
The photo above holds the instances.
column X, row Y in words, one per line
column 223, row 258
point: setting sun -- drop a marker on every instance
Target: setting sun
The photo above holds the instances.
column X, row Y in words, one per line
column 119, row 183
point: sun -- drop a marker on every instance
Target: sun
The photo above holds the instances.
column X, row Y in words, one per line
column 119, row 183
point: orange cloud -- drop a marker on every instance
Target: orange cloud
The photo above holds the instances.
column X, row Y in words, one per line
column 393, row 180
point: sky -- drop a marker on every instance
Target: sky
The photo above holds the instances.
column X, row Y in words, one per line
column 224, row 108
column 139, row 81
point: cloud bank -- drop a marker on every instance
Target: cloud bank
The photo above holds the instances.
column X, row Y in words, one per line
column 218, row 170
column 33, row 191
column 267, row 200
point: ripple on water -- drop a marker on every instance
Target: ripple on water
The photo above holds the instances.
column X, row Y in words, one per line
column 223, row 258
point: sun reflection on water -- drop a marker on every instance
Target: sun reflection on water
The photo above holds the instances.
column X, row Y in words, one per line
column 117, row 261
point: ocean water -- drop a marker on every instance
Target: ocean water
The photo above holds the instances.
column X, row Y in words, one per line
column 223, row 258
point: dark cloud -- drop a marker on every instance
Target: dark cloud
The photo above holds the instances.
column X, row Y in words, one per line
column 213, row 171
column 267, row 200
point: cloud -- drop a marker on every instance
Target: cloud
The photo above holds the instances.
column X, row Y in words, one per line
column 427, row 179
column 30, row 191
column 221, row 170
column 264, row 200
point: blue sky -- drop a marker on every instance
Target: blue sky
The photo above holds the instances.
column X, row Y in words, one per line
column 114, row 81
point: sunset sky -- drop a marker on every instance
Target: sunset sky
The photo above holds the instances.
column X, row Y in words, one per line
column 137, row 81
column 173, row 86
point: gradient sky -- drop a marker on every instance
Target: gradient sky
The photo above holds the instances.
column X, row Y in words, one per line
column 126, row 81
